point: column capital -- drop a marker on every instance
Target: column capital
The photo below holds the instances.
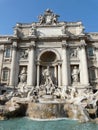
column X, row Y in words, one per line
column 65, row 45
column 1, row 48
column 59, row 62
column 14, row 45
column 82, row 43
column 32, row 45
column 38, row 62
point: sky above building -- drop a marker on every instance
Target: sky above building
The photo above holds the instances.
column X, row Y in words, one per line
column 26, row 11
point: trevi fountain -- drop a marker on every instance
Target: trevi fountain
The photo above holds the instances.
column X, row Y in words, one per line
column 48, row 74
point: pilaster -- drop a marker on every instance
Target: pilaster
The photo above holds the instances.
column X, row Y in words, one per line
column 31, row 65
column 59, row 74
column 38, row 73
column 84, row 77
column 13, row 64
column 1, row 59
column 64, row 64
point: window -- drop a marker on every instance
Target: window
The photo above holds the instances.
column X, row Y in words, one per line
column 90, row 51
column 5, row 74
column 92, row 73
column 7, row 52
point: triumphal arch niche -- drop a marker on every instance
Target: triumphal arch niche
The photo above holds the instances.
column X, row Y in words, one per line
column 49, row 53
column 49, row 59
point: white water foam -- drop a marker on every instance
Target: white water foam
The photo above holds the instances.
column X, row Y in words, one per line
column 52, row 119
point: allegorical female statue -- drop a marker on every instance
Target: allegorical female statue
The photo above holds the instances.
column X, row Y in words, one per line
column 23, row 75
column 75, row 74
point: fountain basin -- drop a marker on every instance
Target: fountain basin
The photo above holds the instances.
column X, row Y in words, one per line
column 45, row 110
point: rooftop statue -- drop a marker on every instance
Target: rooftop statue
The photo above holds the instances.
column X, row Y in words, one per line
column 48, row 18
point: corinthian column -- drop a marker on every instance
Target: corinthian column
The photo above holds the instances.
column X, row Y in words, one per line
column 59, row 74
column 84, row 78
column 64, row 64
column 1, row 59
column 13, row 64
column 31, row 66
column 38, row 74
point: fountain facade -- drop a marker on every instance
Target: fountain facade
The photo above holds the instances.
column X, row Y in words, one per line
column 52, row 65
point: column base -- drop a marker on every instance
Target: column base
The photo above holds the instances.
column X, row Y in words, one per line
column 30, row 86
column 64, row 86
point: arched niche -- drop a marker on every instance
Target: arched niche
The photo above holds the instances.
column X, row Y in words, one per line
column 48, row 58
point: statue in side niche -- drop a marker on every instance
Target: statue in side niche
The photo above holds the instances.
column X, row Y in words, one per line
column 75, row 74
column 23, row 75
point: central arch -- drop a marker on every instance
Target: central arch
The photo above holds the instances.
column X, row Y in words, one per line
column 48, row 58
column 49, row 51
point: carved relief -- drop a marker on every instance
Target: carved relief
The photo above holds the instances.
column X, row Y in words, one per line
column 74, row 53
column 23, row 54
column 48, row 18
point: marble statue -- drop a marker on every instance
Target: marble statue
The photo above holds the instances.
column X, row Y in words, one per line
column 74, row 92
column 55, row 18
column 23, row 75
column 15, row 31
column 48, row 18
column 64, row 29
column 41, row 19
column 47, row 87
column 47, row 76
column 75, row 74
column 33, row 30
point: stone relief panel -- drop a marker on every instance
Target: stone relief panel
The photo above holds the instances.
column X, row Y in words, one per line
column 23, row 54
column 74, row 53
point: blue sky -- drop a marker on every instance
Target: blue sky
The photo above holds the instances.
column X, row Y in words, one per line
column 26, row 11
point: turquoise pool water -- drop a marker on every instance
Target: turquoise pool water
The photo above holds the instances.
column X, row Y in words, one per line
column 27, row 124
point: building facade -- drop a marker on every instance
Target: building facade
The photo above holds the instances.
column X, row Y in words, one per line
column 70, row 54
